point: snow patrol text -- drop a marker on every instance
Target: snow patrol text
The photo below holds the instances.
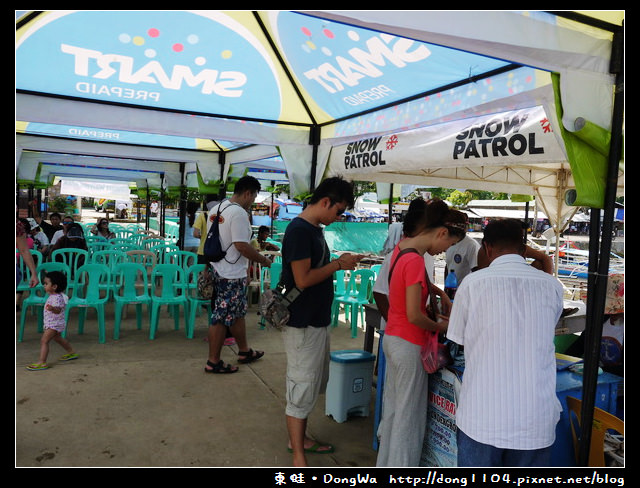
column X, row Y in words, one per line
column 363, row 154
column 497, row 137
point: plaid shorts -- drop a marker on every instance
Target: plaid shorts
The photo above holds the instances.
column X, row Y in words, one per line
column 230, row 300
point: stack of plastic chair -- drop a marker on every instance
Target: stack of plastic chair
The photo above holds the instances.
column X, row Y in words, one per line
column 37, row 296
column 130, row 288
column 358, row 294
column 91, row 281
column 602, row 422
column 193, row 297
column 169, row 289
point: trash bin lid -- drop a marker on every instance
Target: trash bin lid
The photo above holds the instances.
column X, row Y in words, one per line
column 352, row 356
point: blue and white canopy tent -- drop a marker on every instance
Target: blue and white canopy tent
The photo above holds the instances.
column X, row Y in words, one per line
column 528, row 101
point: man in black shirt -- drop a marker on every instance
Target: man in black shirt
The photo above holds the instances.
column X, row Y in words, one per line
column 307, row 266
column 48, row 228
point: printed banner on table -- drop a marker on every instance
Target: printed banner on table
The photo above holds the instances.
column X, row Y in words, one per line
column 440, row 447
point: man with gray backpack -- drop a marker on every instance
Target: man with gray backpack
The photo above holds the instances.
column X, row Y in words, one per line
column 231, row 217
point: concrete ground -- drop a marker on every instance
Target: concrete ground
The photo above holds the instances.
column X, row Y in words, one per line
column 137, row 402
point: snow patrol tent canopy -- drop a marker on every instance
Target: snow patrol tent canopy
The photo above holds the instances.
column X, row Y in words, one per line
column 305, row 85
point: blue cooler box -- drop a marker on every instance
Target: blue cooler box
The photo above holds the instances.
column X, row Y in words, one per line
column 349, row 386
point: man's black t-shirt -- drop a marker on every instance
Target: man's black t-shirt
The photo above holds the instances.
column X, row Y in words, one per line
column 303, row 240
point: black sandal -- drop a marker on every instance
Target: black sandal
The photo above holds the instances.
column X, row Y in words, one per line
column 220, row 368
column 249, row 356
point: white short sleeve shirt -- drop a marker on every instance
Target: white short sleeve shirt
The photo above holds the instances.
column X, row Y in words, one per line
column 462, row 257
column 234, row 227
column 505, row 316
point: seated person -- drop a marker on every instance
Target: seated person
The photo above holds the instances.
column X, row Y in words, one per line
column 260, row 242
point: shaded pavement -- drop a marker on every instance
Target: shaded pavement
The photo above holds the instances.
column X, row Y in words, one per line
column 137, row 402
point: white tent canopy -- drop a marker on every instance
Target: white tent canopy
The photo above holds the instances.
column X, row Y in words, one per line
column 336, row 83
column 303, row 85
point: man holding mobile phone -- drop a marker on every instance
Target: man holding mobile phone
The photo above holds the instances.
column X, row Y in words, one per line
column 307, row 266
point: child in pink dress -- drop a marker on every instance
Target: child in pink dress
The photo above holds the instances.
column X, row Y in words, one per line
column 55, row 284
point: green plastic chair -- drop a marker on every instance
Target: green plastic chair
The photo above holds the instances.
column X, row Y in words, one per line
column 130, row 288
column 358, row 294
column 270, row 276
column 184, row 259
column 136, row 238
column 89, row 292
column 169, row 289
column 122, row 232
column 98, row 244
column 193, row 297
column 25, row 271
column 150, row 242
column 72, row 257
column 339, row 291
column 162, row 250
column 37, row 296
column 110, row 258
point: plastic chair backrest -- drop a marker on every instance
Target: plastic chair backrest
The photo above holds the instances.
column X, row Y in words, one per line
column 184, row 259
column 162, row 250
column 150, row 242
column 602, row 422
column 43, row 269
column 122, row 233
column 145, row 258
column 90, row 280
column 171, row 278
column 109, row 257
column 270, row 275
column 137, row 239
column 74, row 258
column 340, row 288
column 364, row 289
column 274, row 273
column 127, row 278
column 24, row 269
column 191, row 277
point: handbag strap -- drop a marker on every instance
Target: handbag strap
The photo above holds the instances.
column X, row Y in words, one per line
column 433, row 300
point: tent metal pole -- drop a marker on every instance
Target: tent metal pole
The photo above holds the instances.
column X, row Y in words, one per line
column 314, row 140
column 148, row 210
column 182, row 208
column 599, row 269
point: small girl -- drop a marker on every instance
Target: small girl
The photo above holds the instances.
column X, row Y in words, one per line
column 55, row 284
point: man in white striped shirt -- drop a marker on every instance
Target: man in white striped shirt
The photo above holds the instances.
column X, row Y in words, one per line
column 505, row 316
